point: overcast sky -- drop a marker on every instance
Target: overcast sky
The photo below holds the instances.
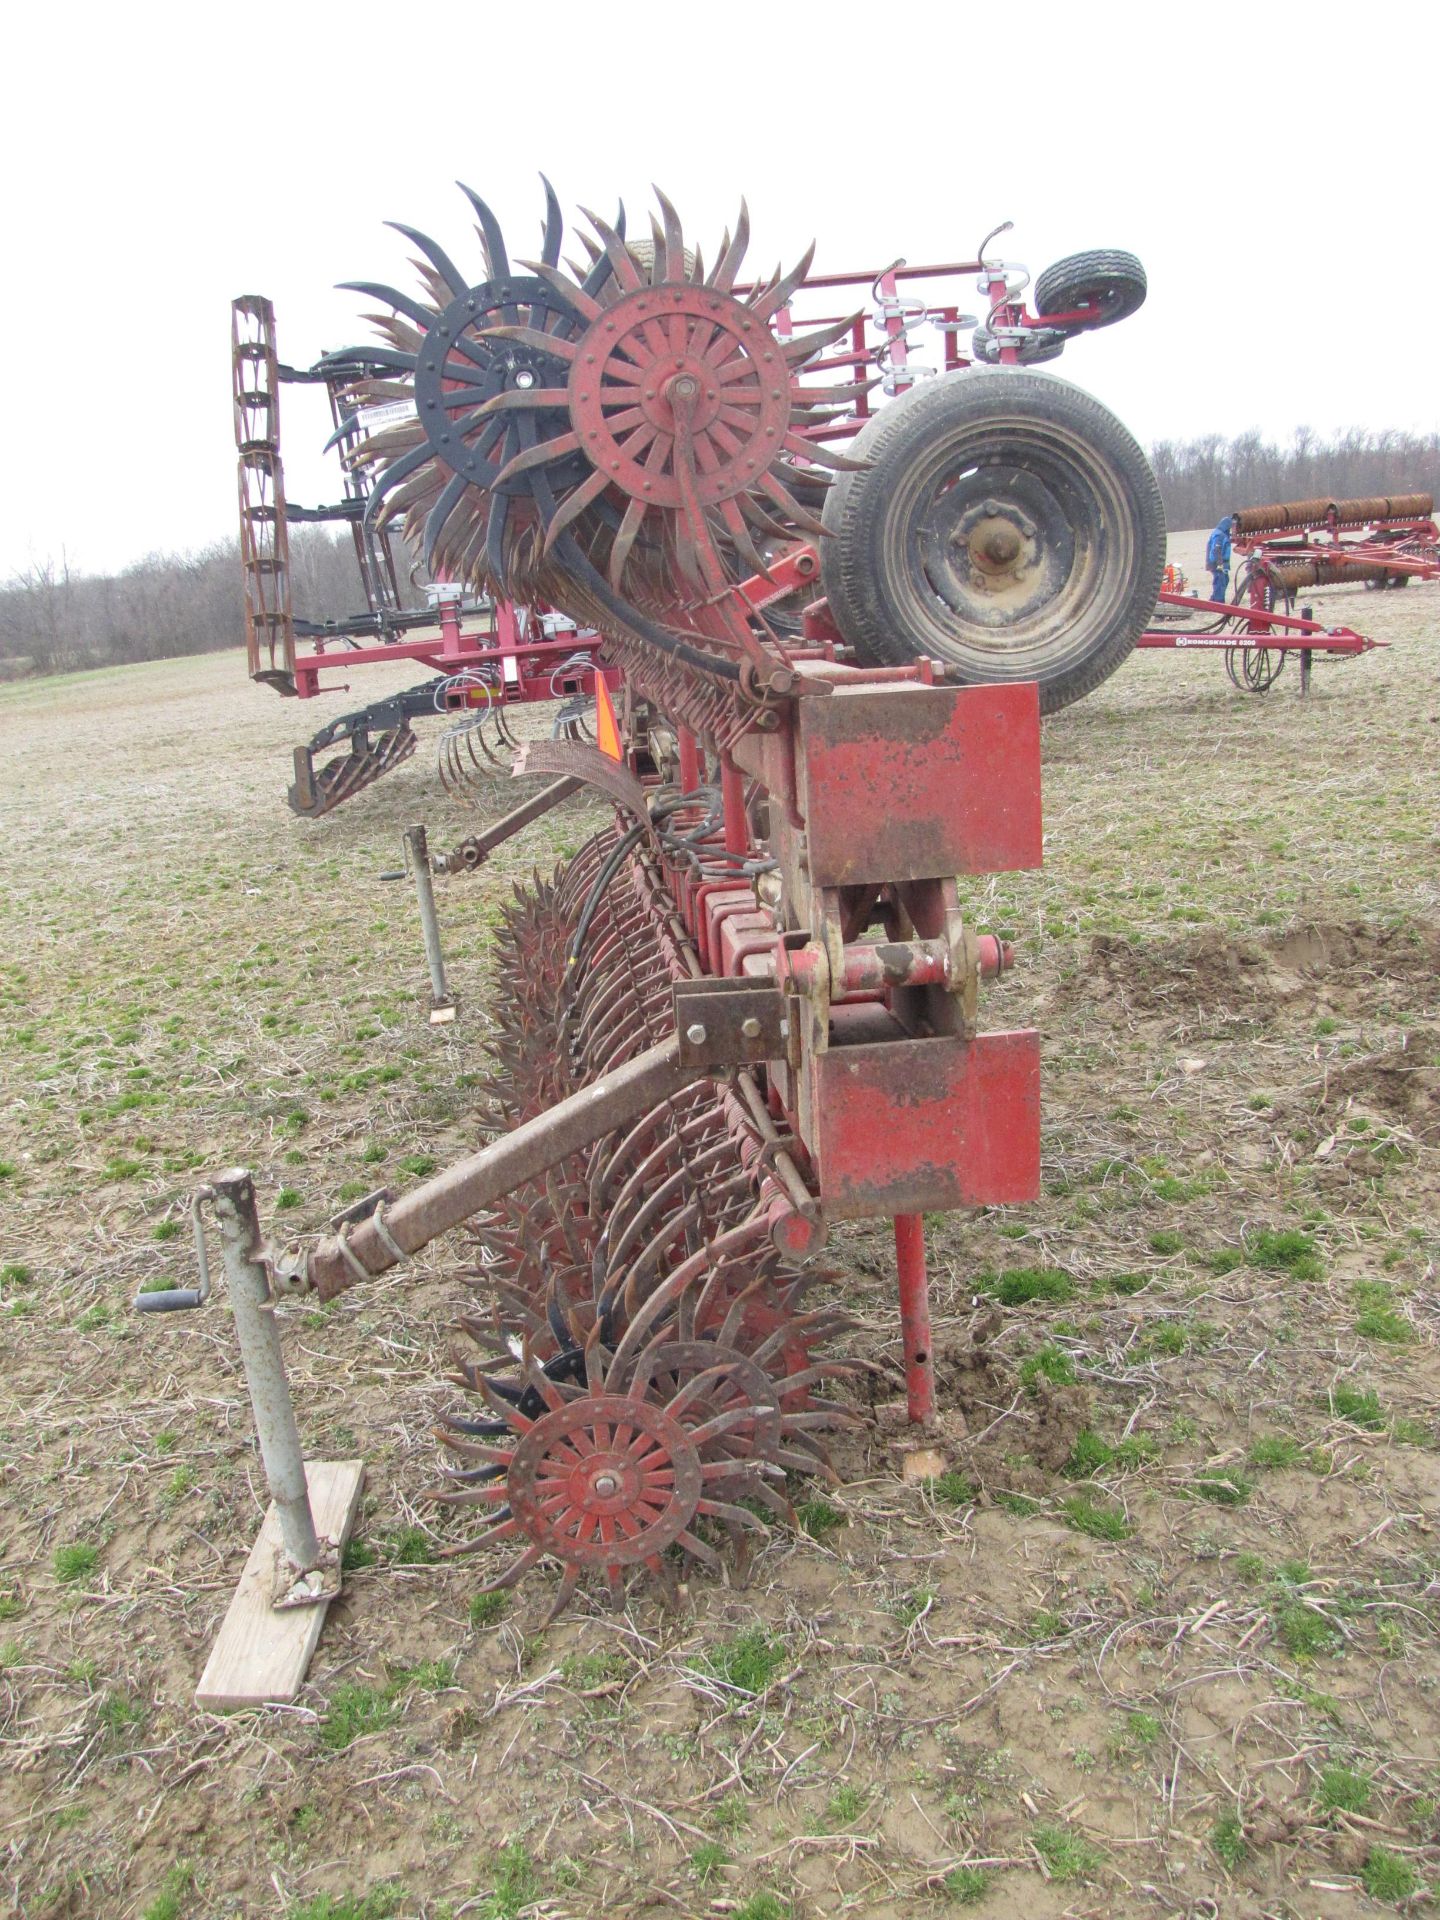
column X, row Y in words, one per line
column 1271, row 165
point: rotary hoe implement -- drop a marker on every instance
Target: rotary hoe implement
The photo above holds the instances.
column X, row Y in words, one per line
column 748, row 1011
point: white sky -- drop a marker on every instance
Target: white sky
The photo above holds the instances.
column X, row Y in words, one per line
column 1272, row 165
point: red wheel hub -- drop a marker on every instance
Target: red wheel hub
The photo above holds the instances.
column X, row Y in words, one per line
column 605, row 1481
column 662, row 352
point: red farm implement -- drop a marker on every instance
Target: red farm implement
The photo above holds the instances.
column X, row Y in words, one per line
column 1255, row 632
column 748, row 1011
column 1380, row 541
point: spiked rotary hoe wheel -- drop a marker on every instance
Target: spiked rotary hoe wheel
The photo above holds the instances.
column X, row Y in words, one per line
column 618, row 441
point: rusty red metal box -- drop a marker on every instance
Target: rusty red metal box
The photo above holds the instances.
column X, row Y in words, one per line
column 920, row 783
column 921, row 1126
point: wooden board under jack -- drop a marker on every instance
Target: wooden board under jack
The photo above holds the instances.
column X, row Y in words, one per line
column 261, row 1655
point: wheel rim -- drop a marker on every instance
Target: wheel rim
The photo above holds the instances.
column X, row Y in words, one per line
column 1009, row 535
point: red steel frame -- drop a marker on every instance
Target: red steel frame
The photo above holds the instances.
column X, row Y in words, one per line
column 1405, row 547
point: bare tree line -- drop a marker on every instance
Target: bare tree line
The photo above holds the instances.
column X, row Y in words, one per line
column 1202, row 479
column 53, row 620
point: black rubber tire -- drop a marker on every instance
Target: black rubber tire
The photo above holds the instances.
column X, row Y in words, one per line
column 948, row 466
column 1112, row 280
column 1038, row 346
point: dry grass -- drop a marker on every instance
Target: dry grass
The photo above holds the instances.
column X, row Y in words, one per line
column 1163, row 1642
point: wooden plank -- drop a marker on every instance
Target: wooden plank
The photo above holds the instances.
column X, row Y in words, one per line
column 261, row 1655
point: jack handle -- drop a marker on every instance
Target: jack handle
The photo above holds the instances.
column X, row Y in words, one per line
column 181, row 1299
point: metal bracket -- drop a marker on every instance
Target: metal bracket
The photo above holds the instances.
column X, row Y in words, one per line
column 361, row 1209
column 729, row 1023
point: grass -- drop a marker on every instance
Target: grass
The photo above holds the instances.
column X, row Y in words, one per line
column 1305, row 1633
column 1020, row 1286
column 845, row 1806
column 952, row 1489
column 1287, row 1251
column 1359, row 1405
column 1388, row 1876
column 707, row 1860
column 762, row 1906
column 488, row 1609
column 1273, row 1452
column 750, row 1661
column 819, row 1516
column 380, row 1903
column 354, row 1711
column 1227, row 1837
column 1050, row 1363
column 1068, row 1855
column 173, row 1900
column 1227, row 1489
column 1099, row 1520
column 967, row 1886
column 1342, row 1790
column 517, row 1883
column 75, row 1562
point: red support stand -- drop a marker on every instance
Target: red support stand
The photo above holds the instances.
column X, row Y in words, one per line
column 915, row 1317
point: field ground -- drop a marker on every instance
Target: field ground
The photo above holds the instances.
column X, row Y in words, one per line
column 1164, row 1640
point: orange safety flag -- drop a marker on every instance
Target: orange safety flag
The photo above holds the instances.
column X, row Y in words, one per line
column 607, row 727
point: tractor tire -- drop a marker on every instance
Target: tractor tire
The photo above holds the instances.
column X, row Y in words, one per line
column 1004, row 524
column 1113, row 281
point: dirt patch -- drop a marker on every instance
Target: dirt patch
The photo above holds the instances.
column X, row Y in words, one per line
column 1122, row 1694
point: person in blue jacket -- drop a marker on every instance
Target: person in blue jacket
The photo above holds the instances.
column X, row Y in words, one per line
column 1217, row 559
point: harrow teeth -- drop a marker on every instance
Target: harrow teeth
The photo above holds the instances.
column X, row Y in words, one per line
column 646, row 1349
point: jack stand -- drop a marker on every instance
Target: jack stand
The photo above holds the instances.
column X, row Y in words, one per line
column 266, row 1641
column 417, row 859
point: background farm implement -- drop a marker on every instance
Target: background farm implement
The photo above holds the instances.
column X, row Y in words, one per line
column 748, row 1009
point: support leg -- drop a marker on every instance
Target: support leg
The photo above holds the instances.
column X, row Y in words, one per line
column 915, row 1317
column 417, row 853
column 259, row 1337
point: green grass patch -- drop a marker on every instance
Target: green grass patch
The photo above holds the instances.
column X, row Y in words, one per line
column 173, row 1900
column 1388, row 1876
column 762, row 1906
column 1019, row 1286
column 1359, row 1405
column 1287, row 1250
column 1226, row 1489
column 750, row 1661
column 75, row 1562
column 1100, row 1521
column 1273, row 1452
column 819, row 1516
column 1342, row 1790
column 1048, row 1363
column 410, row 1547
column 488, row 1609
column 1227, row 1837
column 967, row 1886
column 707, row 1860
column 380, row 1903
column 1068, row 1855
column 952, row 1489
column 1304, row 1632
column 355, row 1711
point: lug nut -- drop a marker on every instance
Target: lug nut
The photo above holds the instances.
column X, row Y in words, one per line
column 696, row 1035
column 750, row 1028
